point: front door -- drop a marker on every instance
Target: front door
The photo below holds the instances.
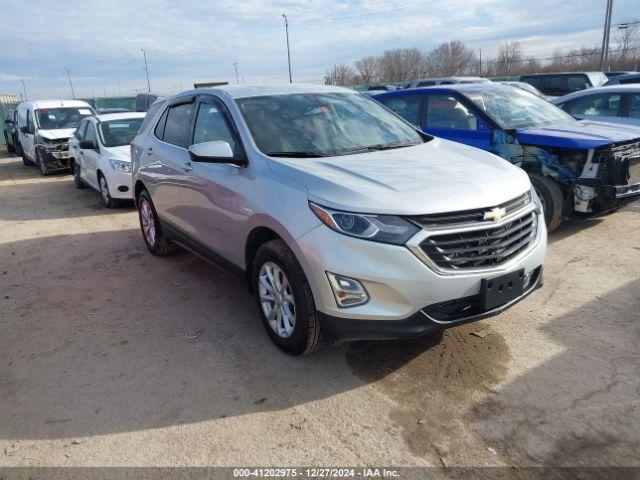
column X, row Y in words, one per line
column 214, row 194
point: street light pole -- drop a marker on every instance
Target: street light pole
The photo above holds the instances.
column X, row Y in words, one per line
column 604, row 54
column 24, row 88
column 73, row 94
column 235, row 65
column 146, row 69
column 286, row 28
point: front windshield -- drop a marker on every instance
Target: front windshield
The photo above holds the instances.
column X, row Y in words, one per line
column 515, row 108
column 115, row 133
column 323, row 124
column 65, row 117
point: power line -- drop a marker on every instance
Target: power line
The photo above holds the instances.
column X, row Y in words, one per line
column 368, row 14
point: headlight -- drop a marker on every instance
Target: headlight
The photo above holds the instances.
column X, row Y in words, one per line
column 120, row 165
column 378, row 228
column 536, row 199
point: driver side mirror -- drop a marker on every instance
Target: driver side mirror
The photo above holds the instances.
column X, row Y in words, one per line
column 217, row 151
column 25, row 129
column 87, row 145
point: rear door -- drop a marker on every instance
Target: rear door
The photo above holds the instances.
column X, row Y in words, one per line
column 168, row 161
column 449, row 117
column 74, row 148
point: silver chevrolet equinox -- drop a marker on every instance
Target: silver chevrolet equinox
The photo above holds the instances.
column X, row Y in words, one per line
column 346, row 221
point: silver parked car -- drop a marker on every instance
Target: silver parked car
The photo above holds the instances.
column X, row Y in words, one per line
column 346, row 221
column 614, row 104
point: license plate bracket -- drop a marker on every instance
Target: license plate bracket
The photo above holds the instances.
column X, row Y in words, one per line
column 501, row 289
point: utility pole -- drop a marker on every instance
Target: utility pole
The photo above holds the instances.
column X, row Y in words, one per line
column 286, row 28
column 73, row 94
column 480, row 61
column 24, row 88
column 604, row 53
column 146, row 69
column 235, row 65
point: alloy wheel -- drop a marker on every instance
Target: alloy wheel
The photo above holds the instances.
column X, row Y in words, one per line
column 148, row 223
column 104, row 191
column 276, row 299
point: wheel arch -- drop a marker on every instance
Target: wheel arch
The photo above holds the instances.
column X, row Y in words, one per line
column 257, row 237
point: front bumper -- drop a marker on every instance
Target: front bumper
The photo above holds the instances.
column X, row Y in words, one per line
column 54, row 159
column 399, row 284
column 336, row 329
column 119, row 183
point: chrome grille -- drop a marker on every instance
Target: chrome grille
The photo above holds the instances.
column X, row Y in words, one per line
column 469, row 216
column 481, row 248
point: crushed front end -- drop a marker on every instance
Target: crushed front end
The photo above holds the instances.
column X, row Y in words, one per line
column 54, row 153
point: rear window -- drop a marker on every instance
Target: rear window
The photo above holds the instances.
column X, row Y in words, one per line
column 116, row 133
column 178, row 126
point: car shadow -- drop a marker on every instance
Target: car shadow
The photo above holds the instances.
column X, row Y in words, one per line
column 108, row 338
column 572, row 227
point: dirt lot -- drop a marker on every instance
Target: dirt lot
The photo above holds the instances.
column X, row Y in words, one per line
column 96, row 368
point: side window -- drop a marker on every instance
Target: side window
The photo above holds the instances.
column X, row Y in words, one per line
column 426, row 84
column 178, row 126
column 407, row 106
column 535, row 81
column 30, row 124
column 212, row 124
column 630, row 80
column 577, row 82
column 90, row 134
column 445, row 111
column 22, row 118
column 554, row 84
column 634, row 105
column 80, row 130
column 604, row 104
column 159, row 130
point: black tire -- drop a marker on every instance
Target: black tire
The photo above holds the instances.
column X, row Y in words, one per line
column 10, row 148
column 162, row 246
column 107, row 201
column 552, row 199
column 75, row 168
column 20, row 153
column 306, row 336
column 41, row 165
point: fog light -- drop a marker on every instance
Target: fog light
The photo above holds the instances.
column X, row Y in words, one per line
column 348, row 292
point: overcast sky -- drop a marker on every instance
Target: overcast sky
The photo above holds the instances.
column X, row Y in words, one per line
column 198, row 40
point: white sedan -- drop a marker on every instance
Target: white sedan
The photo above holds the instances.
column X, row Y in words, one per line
column 100, row 155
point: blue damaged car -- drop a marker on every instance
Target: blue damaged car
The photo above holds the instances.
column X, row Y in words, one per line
column 575, row 166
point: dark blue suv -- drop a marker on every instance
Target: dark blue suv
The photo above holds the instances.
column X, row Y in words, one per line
column 580, row 166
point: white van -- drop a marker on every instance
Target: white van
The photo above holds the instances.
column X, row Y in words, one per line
column 44, row 128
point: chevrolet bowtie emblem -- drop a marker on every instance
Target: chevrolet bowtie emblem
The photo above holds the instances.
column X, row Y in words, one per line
column 495, row 214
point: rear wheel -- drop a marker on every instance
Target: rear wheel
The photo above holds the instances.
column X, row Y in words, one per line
column 552, row 199
column 155, row 241
column 10, row 148
column 284, row 298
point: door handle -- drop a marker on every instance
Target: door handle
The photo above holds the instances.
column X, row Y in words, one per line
column 149, row 150
column 187, row 167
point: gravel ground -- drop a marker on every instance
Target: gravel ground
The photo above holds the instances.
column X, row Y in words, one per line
column 96, row 367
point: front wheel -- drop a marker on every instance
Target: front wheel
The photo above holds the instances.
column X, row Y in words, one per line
column 44, row 170
column 155, row 241
column 285, row 301
column 104, row 192
column 552, row 199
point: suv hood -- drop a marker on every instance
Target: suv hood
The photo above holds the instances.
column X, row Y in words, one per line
column 57, row 134
column 436, row 177
column 577, row 135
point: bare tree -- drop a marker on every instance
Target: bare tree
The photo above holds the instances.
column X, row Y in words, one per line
column 509, row 59
column 627, row 46
column 368, row 69
column 451, row 58
column 401, row 65
column 340, row 74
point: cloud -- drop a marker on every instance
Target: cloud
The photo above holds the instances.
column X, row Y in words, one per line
column 196, row 40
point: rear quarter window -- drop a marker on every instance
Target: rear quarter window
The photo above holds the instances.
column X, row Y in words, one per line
column 407, row 106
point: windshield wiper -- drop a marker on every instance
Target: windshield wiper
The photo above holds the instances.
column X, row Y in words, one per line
column 378, row 147
column 300, row 154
